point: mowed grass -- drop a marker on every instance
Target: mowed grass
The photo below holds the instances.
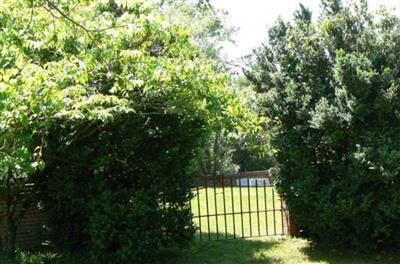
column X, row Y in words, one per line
column 269, row 250
column 272, row 250
column 237, row 212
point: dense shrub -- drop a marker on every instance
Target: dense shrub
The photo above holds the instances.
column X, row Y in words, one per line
column 124, row 193
column 331, row 95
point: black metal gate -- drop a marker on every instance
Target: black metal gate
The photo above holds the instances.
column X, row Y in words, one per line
column 238, row 206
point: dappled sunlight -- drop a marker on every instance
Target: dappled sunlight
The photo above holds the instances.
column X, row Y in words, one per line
column 271, row 250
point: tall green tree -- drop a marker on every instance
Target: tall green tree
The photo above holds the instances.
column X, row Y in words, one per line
column 208, row 25
column 210, row 32
column 331, row 100
column 225, row 151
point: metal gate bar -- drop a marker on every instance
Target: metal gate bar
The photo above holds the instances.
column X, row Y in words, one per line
column 220, row 203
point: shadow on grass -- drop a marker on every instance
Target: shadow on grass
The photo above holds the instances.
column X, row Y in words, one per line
column 44, row 257
column 330, row 256
column 224, row 252
column 268, row 250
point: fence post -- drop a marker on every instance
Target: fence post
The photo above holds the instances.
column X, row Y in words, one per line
column 293, row 230
column 289, row 223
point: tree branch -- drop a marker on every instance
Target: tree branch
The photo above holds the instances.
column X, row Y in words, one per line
column 70, row 19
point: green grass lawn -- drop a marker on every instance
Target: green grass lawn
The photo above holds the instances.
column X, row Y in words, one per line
column 254, row 199
column 272, row 250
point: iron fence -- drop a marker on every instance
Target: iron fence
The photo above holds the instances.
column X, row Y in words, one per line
column 238, row 206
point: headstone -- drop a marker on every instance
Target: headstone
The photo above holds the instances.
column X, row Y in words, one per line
column 253, row 182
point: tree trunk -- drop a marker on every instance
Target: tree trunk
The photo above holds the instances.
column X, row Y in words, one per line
column 10, row 237
column 1, row 241
column 216, row 153
column 10, row 232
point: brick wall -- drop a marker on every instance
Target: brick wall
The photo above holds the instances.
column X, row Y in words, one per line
column 30, row 226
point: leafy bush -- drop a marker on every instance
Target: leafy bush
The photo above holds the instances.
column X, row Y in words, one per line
column 331, row 97
column 124, row 193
